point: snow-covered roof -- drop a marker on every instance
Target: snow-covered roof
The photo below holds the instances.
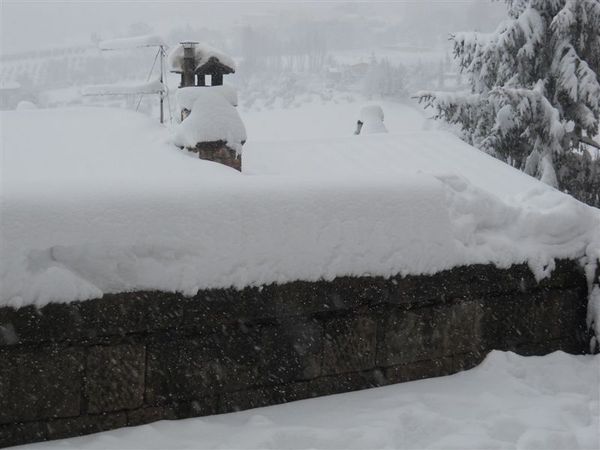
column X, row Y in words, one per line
column 203, row 53
column 149, row 40
column 132, row 88
column 98, row 200
column 213, row 118
column 9, row 85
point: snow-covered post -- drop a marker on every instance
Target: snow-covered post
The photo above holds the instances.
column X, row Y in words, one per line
column 370, row 120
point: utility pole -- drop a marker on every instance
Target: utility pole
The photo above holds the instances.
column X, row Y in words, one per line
column 161, row 49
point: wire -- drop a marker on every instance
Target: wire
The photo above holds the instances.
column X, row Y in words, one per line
column 148, row 78
column 167, row 91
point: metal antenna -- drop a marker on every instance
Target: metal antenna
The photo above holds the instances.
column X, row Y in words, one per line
column 148, row 79
column 162, row 92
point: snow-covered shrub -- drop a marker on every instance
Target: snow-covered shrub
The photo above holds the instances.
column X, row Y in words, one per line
column 535, row 92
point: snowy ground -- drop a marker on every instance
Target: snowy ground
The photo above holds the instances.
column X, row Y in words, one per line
column 96, row 200
column 316, row 119
column 508, row 402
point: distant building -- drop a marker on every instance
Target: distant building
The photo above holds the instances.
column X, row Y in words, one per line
column 10, row 95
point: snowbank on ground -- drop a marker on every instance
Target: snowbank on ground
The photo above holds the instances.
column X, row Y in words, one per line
column 97, row 201
column 508, row 402
column 213, row 118
column 203, row 53
column 311, row 118
column 149, row 40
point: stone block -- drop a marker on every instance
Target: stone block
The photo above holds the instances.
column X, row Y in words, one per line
column 21, row 433
column 419, row 370
column 467, row 361
column 302, row 298
column 174, row 410
column 460, row 283
column 197, row 367
column 264, row 396
column 143, row 416
column 40, row 383
column 456, row 328
column 293, row 350
column 566, row 274
column 208, row 311
column 350, row 344
column 129, row 313
column 511, row 321
column 79, row 426
column 429, row 333
column 555, row 314
column 505, row 322
column 55, row 322
column 346, row 382
column 115, row 378
column 406, row 336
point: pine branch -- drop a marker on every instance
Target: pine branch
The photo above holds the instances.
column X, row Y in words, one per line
column 589, row 141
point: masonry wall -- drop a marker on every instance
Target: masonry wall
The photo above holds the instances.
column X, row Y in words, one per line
column 133, row 358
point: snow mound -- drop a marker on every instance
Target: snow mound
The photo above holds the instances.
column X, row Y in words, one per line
column 98, row 201
column 371, row 117
column 213, row 118
column 187, row 96
column 203, row 52
column 25, row 104
column 508, row 402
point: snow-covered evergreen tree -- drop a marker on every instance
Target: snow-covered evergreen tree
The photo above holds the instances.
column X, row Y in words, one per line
column 535, row 92
column 385, row 80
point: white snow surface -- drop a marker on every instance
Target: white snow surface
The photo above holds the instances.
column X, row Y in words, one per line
column 371, row 117
column 212, row 118
column 132, row 88
column 149, row 40
column 187, row 96
column 98, row 200
column 507, row 402
column 203, row 53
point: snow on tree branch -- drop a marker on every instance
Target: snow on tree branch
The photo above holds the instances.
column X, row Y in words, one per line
column 535, row 92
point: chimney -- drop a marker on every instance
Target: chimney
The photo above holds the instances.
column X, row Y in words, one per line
column 188, row 75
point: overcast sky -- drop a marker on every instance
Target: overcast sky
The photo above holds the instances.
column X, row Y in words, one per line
column 29, row 24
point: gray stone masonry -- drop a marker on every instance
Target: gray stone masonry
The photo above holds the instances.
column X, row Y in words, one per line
column 132, row 358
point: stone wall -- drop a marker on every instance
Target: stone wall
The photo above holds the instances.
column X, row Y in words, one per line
column 133, row 358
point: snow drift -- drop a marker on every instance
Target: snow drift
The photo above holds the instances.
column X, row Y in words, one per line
column 98, row 201
column 213, row 118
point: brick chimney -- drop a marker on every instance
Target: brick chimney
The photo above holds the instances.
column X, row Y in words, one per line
column 188, row 75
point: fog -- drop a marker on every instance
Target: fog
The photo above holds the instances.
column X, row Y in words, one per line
column 29, row 25
column 287, row 53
